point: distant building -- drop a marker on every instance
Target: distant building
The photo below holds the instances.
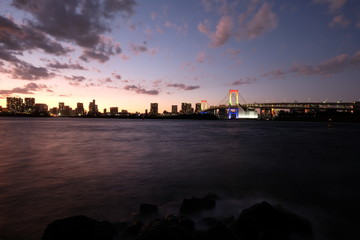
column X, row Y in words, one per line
column 80, row 111
column 197, row 107
column 114, row 111
column 93, row 108
column 186, row 108
column 54, row 111
column 14, row 104
column 154, row 108
column 66, row 112
column 29, row 106
column 61, row 110
column 105, row 111
column 41, row 108
column 174, row 109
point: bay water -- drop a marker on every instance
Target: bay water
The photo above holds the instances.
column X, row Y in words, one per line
column 52, row 168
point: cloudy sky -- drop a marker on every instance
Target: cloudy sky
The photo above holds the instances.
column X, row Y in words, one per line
column 129, row 53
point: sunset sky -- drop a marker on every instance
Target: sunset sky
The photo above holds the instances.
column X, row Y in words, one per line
column 128, row 53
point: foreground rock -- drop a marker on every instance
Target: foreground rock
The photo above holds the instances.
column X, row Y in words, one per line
column 79, row 227
column 263, row 221
column 259, row 222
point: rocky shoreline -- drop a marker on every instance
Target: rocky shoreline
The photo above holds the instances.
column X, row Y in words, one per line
column 261, row 221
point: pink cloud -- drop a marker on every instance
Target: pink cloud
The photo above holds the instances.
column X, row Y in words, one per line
column 340, row 21
column 333, row 4
column 153, row 15
column 222, row 32
column 124, row 57
column 242, row 81
column 200, row 58
column 264, row 20
column 275, row 74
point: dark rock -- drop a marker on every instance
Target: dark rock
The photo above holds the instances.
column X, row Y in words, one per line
column 133, row 228
column 149, row 210
column 79, row 227
column 263, row 221
column 162, row 229
column 185, row 222
column 216, row 232
column 196, row 205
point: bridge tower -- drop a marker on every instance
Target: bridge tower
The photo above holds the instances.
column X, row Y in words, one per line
column 204, row 104
column 233, row 95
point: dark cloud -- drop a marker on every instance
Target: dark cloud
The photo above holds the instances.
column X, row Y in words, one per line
column 117, row 76
column 243, row 81
column 81, row 21
column 102, row 51
column 26, row 71
column 16, row 39
column 276, row 74
column 137, row 49
column 337, row 64
column 141, row 90
column 27, row 89
column 329, row 67
column 183, row 86
column 58, row 65
column 76, row 78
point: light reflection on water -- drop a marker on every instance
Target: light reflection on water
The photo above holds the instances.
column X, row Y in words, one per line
column 104, row 168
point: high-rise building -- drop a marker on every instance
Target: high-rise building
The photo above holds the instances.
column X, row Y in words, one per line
column 80, row 111
column 14, row 104
column 174, row 109
column 29, row 106
column 61, row 110
column 93, row 108
column 186, row 108
column 197, row 107
column 154, row 108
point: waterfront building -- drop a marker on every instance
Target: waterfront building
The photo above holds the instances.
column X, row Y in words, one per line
column 197, row 107
column 61, row 109
column 154, row 108
column 41, row 108
column 114, row 111
column 80, row 111
column 174, row 109
column 54, row 111
column 93, row 108
column 14, row 104
column 29, row 105
column 186, row 108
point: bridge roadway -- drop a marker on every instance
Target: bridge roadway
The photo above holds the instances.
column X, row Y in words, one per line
column 294, row 105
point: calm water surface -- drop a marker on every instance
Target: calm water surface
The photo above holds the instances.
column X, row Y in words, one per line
column 104, row 168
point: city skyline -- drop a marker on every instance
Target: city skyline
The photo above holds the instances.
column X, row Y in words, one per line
column 129, row 53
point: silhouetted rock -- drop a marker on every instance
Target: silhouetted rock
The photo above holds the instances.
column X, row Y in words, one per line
column 133, row 228
column 196, row 205
column 264, row 222
column 217, row 232
column 149, row 210
column 185, row 222
column 79, row 227
column 162, row 229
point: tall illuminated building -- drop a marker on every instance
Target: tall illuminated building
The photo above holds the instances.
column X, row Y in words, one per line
column 154, row 108
column 186, row 108
column 93, row 108
column 14, row 104
column 61, row 109
column 197, row 107
column 80, row 111
column 29, row 105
